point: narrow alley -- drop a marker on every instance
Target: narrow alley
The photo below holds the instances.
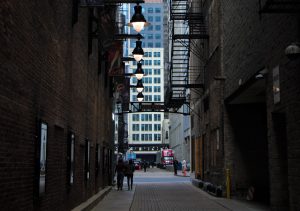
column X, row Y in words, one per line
column 94, row 90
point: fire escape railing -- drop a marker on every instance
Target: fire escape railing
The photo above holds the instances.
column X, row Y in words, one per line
column 186, row 26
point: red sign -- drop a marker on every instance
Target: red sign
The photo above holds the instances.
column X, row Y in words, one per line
column 167, row 153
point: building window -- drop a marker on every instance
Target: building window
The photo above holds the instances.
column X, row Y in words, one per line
column 133, row 80
column 147, row 88
column 134, row 98
column 150, row 36
column 132, row 44
column 157, row 117
column 150, row 45
column 156, row 62
column 157, row 137
column 135, row 127
column 147, row 80
column 157, row 127
column 157, row 10
column 156, row 71
column 157, row 80
column 157, row 98
column 146, row 117
column 146, row 127
column 150, row 18
column 147, row 62
column 148, row 54
column 157, row 45
column 156, row 88
column 157, row 27
column 147, row 98
column 148, row 71
column 150, row 28
column 135, row 137
column 150, row 10
column 156, row 54
column 157, row 19
column 135, row 117
column 43, row 157
column 158, row 37
column 146, row 137
column 71, row 158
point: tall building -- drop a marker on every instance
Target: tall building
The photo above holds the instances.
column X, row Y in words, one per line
column 145, row 129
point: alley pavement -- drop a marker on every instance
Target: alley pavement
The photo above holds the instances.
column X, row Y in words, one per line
column 160, row 190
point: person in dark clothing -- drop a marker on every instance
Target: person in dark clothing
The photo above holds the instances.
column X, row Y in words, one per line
column 145, row 166
column 120, row 169
column 129, row 173
column 175, row 165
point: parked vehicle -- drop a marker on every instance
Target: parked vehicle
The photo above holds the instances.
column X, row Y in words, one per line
column 137, row 165
column 164, row 158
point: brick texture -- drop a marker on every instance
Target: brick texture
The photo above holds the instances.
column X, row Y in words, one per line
column 259, row 140
column 47, row 75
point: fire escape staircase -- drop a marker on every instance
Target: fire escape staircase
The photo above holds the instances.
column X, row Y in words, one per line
column 186, row 26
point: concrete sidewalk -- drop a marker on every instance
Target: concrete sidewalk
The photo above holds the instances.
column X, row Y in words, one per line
column 116, row 200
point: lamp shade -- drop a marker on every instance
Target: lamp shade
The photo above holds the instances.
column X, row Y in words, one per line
column 138, row 21
column 138, row 51
column 139, row 73
column 140, row 97
column 139, row 86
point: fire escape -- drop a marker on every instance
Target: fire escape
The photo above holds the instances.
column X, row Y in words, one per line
column 187, row 25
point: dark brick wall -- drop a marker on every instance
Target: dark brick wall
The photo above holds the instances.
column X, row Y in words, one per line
column 251, row 43
column 284, row 142
column 208, row 122
column 46, row 74
column 242, row 43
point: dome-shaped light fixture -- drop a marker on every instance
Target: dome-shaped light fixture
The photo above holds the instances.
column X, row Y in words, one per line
column 138, row 51
column 140, row 97
column 139, row 86
column 293, row 51
column 139, row 73
column 138, row 21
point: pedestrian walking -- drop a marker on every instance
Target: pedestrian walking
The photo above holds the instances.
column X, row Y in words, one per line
column 175, row 165
column 129, row 173
column 120, row 169
column 145, row 166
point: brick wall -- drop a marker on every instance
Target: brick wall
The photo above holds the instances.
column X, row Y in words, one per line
column 47, row 74
column 251, row 43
